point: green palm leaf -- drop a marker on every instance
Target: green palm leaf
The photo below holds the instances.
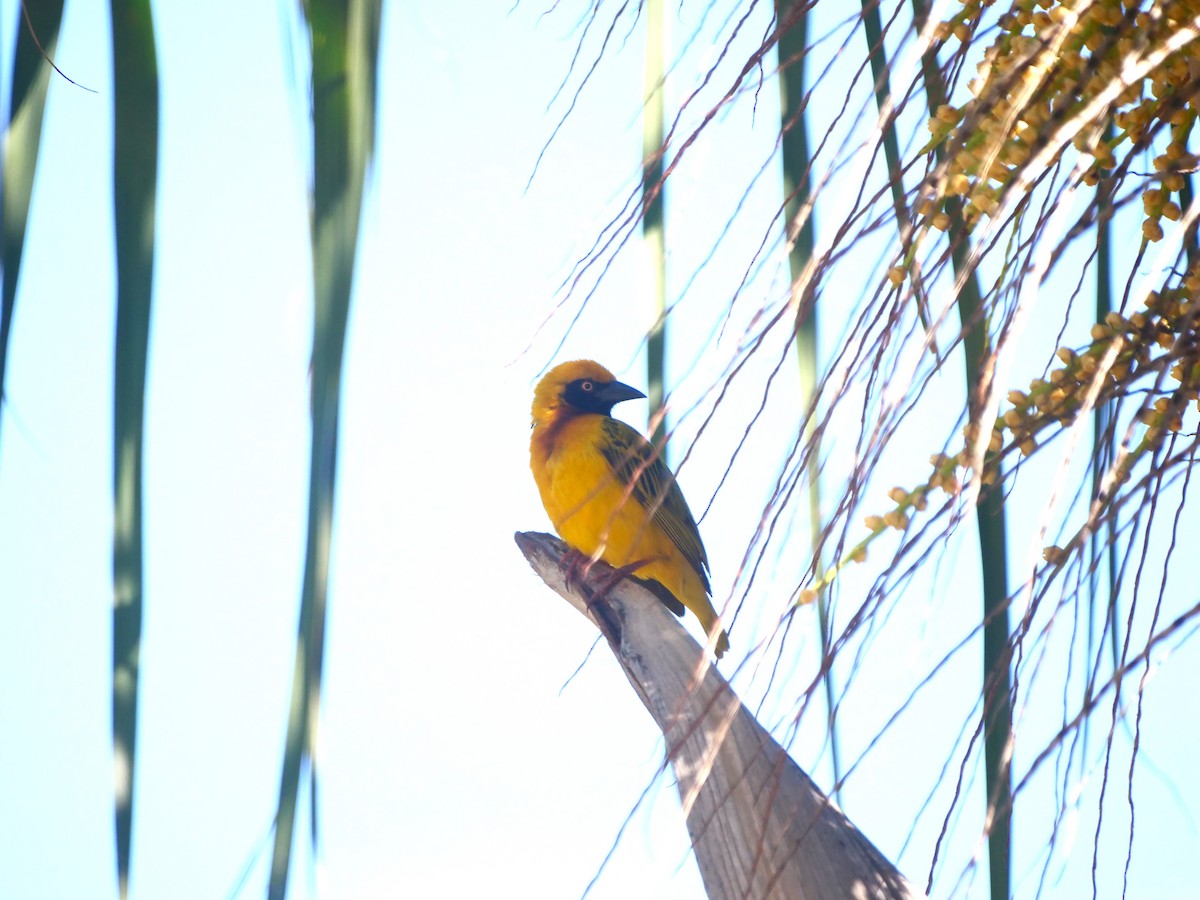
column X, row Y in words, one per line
column 135, row 167
column 345, row 51
column 36, row 41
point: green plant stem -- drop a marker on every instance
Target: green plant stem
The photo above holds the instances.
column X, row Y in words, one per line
column 653, row 215
column 135, row 167
column 997, row 682
column 877, row 53
column 1101, row 419
column 797, row 189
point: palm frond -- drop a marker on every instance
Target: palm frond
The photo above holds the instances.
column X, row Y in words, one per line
column 345, row 52
column 135, row 169
column 37, row 36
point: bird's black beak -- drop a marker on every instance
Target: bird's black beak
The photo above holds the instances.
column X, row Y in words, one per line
column 616, row 392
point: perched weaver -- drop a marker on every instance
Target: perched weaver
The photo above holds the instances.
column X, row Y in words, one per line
column 607, row 490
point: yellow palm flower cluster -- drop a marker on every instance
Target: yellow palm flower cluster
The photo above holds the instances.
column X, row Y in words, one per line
column 1050, row 60
column 1161, row 340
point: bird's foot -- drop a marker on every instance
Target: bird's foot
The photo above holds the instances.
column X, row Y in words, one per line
column 600, row 591
column 578, row 566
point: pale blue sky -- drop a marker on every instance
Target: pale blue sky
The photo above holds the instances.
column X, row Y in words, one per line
column 452, row 764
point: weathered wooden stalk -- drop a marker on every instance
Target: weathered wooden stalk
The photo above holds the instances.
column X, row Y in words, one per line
column 759, row 826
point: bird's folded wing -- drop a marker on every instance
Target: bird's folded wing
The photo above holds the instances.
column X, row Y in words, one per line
column 634, row 460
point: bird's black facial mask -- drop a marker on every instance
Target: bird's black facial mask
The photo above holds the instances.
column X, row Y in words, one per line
column 591, row 396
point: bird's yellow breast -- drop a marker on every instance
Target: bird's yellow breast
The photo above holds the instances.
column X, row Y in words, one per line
column 593, row 511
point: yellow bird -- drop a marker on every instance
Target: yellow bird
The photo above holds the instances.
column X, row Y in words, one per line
column 606, row 489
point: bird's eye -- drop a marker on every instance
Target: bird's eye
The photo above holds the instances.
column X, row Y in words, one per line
column 586, row 387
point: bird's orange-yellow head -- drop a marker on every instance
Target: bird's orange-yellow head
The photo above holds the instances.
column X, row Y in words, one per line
column 578, row 387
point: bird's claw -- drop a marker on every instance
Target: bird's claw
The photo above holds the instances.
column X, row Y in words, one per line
column 600, row 591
